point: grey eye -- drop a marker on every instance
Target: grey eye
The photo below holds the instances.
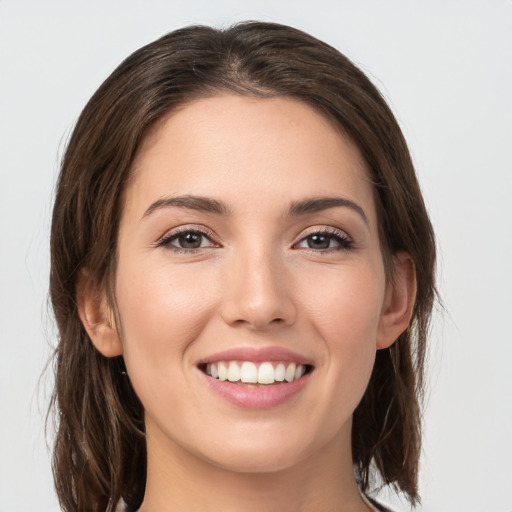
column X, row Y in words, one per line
column 189, row 240
column 325, row 241
column 319, row 241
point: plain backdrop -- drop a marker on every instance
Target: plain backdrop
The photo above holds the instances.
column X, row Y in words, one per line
column 446, row 69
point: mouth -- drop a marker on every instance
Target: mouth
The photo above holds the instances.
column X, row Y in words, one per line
column 256, row 377
column 256, row 373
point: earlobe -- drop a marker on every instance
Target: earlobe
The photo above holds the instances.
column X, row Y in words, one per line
column 97, row 317
column 399, row 301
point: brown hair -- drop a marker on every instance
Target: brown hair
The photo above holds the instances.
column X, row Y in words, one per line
column 100, row 452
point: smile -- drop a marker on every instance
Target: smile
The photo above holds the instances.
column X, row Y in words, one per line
column 263, row 373
column 256, row 377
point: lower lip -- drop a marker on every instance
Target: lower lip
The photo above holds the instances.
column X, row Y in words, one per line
column 264, row 397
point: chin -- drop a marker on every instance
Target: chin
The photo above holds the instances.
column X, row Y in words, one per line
column 266, row 450
column 255, row 460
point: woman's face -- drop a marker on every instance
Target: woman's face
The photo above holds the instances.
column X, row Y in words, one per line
column 248, row 249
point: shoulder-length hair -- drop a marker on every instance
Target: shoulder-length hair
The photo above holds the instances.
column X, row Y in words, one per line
column 100, row 450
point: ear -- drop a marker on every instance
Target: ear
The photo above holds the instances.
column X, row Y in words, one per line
column 97, row 317
column 399, row 301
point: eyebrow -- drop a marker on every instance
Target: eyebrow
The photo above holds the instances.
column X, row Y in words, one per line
column 324, row 203
column 297, row 208
column 202, row 204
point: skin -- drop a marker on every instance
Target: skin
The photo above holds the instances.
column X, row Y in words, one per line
column 254, row 282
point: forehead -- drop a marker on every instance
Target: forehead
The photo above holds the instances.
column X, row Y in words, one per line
column 238, row 148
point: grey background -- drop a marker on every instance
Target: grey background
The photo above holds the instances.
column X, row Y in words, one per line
column 445, row 67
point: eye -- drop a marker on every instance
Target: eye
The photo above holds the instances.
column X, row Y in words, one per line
column 325, row 241
column 187, row 240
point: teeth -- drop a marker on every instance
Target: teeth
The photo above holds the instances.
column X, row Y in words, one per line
column 233, row 372
column 280, row 372
column 222, row 370
column 248, row 372
column 266, row 373
column 290, row 373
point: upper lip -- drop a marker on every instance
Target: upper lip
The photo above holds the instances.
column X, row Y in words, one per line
column 257, row 355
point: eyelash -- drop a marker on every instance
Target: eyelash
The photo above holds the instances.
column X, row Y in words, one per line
column 166, row 240
column 338, row 236
column 341, row 238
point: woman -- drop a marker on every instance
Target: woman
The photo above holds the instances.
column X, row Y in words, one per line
column 242, row 277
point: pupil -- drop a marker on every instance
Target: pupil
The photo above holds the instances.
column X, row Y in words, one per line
column 190, row 241
column 318, row 242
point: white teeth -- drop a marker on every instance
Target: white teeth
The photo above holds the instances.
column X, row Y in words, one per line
column 250, row 373
column 266, row 373
column 280, row 372
column 223, row 371
column 290, row 373
column 233, row 372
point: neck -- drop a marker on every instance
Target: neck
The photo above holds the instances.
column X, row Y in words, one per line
column 182, row 481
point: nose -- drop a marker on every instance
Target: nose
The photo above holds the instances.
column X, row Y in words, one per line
column 258, row 292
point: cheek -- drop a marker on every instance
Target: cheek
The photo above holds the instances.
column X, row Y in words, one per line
column 345, row 310
column 345, row 303
column 162, row 312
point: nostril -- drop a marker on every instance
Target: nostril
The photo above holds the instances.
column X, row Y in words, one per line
column 256, row 306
